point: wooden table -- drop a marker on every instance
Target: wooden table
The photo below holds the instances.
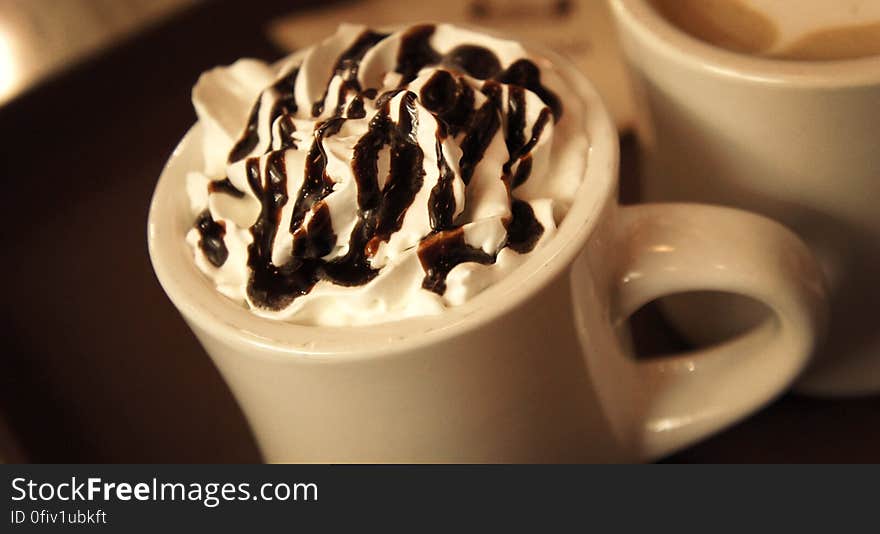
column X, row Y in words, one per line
column 97, row 366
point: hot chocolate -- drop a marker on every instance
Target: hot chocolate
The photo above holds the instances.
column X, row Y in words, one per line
column 784, row 29
column 378, row 175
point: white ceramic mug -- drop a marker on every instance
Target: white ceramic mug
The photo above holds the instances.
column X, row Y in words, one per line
column 538, row 367
column 798, row 141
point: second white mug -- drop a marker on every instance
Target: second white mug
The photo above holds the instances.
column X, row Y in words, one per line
column 798, row 141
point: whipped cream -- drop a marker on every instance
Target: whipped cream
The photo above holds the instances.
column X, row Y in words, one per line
column 380, row 175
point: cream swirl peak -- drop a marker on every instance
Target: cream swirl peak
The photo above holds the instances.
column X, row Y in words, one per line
column 377, row 176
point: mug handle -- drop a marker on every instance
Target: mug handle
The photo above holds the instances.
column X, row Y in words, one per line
column 674, row 248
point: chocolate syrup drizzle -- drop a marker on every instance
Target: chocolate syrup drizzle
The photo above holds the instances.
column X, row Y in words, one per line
column 441, row 252
column 450, row 98
column 285, row 104
column 482, row 126
column 517, row 147
column 416, row 52
column 248, row 141
column 477, row 61
column 225, row 186
column 381, row 210
column 211, row 238
column 441, row 203
column 346, row 68
column 524, row 73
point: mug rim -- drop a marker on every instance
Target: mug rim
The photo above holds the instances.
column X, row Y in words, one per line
column 640, row 17
column 202, row 305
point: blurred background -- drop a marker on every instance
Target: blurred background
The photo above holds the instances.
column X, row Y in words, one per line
column 96, row 365
column 39, row 38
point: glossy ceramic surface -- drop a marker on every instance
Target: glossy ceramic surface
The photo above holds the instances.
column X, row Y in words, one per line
column 537, row 368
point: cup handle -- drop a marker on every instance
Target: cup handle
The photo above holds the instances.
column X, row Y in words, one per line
column 674, row 248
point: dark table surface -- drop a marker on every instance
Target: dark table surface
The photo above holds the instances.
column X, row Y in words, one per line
column 97, row 366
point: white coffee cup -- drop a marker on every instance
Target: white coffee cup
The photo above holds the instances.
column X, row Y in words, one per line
column 538, row 367
column 798, row 141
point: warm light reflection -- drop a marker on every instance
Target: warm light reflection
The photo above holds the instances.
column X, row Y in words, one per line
column 9, row 70
column 632, row 275
column 667, row 424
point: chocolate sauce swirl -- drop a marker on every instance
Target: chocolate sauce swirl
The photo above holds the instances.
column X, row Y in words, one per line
column 442, row 252
column 285, row 104
column 517, row 147
column 346, row 68
column 248, row 141
column 524, row 73
column 211, row 239
column 478, row 61
column 268, row 284
column 441, row 203
column 415, row 52
column 451, row 99
column 225, row 186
